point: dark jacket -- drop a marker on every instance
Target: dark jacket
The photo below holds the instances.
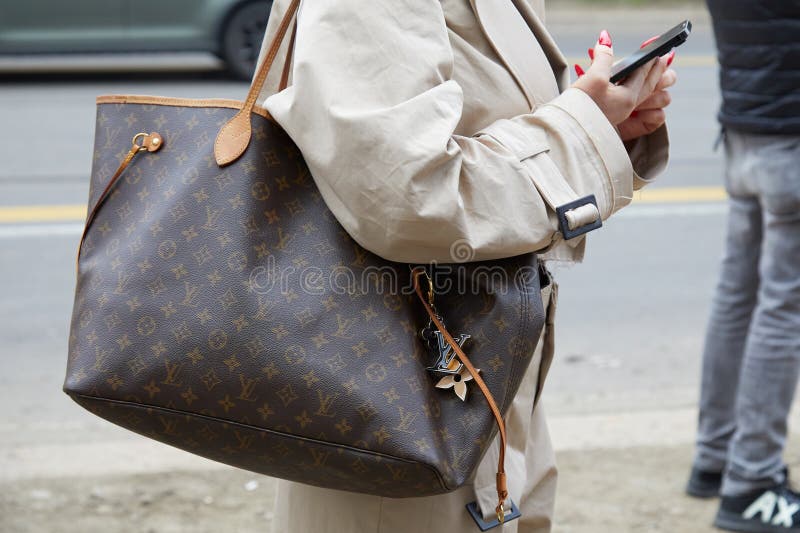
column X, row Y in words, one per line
column 759, row 55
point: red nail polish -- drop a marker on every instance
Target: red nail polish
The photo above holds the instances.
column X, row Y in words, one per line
column 648, row 41
column 579, row 71
column 670, row 57
column 605, row 38
column 634, row 114
column 591, row 53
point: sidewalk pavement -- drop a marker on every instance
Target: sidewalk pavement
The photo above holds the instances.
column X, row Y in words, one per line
column 619, row 472
column 626, row 473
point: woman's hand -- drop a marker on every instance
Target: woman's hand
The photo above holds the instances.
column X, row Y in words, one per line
column 648, row 116
column 636, row 106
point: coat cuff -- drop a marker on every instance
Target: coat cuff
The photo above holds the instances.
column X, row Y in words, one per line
column 608, row 149
column 649, row 155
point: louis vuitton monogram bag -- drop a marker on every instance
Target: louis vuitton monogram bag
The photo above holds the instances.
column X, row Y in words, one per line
column 221, row 308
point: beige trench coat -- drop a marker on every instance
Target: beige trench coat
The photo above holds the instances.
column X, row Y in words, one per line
column 432, row 127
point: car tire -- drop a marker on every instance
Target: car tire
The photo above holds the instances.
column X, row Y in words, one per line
column 242, row 35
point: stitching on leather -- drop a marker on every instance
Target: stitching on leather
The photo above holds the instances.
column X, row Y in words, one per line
column 233, row 124
column 139, row 405
column 222, row 134
column 217, row 141
column 255, row 89
column 222, row 103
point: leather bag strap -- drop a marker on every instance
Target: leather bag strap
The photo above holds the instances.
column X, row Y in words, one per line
column 502, row 491
column 234, row 137
column 151, row 142
column 287, row 64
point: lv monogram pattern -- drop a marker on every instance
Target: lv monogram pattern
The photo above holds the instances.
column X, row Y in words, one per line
column 174, row 337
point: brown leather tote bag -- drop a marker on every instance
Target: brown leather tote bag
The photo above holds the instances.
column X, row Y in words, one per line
column 221, row 308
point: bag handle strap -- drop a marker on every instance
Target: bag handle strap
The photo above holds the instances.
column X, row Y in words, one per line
column 234, row 137
column 502, row 491
column 288, row 62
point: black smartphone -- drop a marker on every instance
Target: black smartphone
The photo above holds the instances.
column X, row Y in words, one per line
column 666, row 42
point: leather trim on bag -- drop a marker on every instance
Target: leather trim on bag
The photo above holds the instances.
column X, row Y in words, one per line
column 219, row 420
column 234, row 137
column 179, row 102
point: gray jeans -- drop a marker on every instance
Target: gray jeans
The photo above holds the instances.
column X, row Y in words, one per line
column 752, row 350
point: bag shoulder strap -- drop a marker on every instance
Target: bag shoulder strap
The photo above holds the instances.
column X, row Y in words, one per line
column 234, row 137
column 287, row 64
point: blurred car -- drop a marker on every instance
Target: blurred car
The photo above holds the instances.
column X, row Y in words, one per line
column 230, row 29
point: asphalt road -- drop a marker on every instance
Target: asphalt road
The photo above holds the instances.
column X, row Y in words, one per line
column 630, row 318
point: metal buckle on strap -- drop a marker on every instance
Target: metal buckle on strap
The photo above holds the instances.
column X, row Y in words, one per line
column 511, row 513
column 563, row 222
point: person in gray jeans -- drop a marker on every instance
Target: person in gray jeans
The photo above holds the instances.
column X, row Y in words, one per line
column 751, row 358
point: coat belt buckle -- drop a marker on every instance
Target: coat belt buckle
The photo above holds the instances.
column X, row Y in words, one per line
column 563, row 223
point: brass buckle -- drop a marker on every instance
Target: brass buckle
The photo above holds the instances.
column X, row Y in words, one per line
column 485, row 525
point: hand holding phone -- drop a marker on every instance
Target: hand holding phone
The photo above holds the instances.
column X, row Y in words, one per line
column 643, row 86
column 656, row 48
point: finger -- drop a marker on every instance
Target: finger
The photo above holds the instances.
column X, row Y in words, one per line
column 605, row 38
column 652, row 119
column 653, row 78
column 668, row 79
column 657, row 100
column 670, row 55
column 636, row 80
column 644, row 123
column 648, row 41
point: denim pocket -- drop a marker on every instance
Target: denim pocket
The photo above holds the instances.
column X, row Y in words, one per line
column 778, row 176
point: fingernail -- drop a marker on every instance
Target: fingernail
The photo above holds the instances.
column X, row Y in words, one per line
column 670, row 57
column 648, row 41
column 605, row 38
column 634, row 113
column 591, row 53
column 579, row 71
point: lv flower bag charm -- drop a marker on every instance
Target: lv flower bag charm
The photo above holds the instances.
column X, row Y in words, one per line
column 209, row 312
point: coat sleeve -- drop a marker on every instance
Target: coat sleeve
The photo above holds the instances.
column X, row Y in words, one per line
column 373, row 108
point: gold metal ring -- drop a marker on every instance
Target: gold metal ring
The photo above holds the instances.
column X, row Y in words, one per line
column 139, row 147
column 501, row 513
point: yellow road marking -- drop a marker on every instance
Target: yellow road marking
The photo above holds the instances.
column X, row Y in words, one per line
column 77, row 213
column 679, row 195
column 42, row 213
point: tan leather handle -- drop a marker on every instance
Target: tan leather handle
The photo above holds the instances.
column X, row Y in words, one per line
column 288, row 62
column 502, row 491
column 234, row 137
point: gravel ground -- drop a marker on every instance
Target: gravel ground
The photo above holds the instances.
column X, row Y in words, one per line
column 218, row 501
column 600, row 491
